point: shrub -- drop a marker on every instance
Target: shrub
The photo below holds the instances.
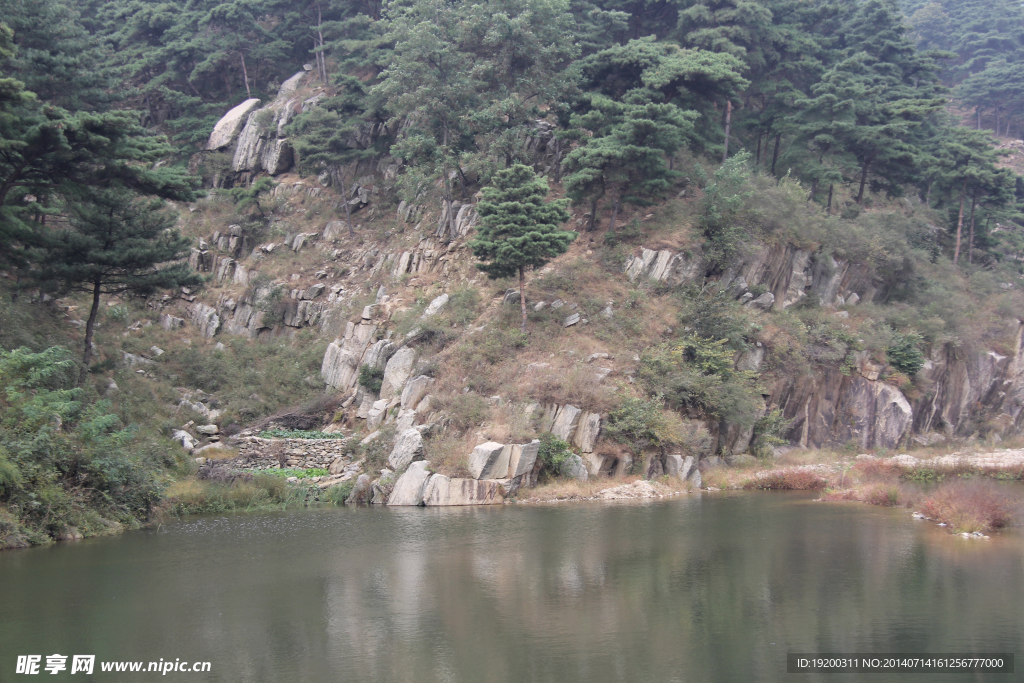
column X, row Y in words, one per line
column 968, row 506
column 637, row 422
column 554, row 452
column 768, row 433
column 788, row 480
column 904, row 353
column 697, row 374
column 467, row 410
column 723, row 200
column 371, row 378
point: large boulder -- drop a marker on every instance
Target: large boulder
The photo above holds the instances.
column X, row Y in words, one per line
column 573, row 468
column 489, row 461
column 230, row 125
column 414, row 391
column 397, row 372
column 409, row 487
column 442, row 490
column 522, row 458
column 408, row 447
column 362, row 491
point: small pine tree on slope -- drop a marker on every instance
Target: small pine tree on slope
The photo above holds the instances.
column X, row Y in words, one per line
column 518, row 230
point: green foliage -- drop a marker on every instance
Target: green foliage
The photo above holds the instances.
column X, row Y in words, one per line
column 768, row 432
column 697, row 374
column 518, row 230
column 554, row 452
column 904, row 353
column 371, row 378
column 723, row 200
column 298, row 434
column 638, row 422
column 299, row 474
column 66, row 461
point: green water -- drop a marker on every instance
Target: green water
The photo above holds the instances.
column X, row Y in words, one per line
column 712, row 588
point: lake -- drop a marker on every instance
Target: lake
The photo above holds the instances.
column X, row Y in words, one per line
column 712, row 587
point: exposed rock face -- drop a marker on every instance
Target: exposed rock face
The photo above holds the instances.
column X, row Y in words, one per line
column 587, row 432
column 340, row 368
column 522, row 459
column 414, row 391
column 262, row 145
column 566, row 421
column 409, row 487
column 789, row 274
column 205, row 318
column 408, row 447
column 397, row 372
column 230, row 125
column 442, row 490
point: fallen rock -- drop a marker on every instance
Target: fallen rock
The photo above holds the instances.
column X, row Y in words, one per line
column 397, row 372
column 486, row 461
column 231, row 124
column 409, row 487
column 408, row 447
column 209, row 430
column 435, row 306
column 362, row 491
column 574, row 468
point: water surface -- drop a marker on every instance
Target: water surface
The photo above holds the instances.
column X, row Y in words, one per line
column 703, row 588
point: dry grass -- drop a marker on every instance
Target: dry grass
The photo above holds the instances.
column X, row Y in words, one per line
column 448, row 453
column 969, row 506
column 878, row 493
column 220, row 453
column 788, row 480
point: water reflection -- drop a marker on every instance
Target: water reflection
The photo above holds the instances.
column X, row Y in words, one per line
column 717, row 588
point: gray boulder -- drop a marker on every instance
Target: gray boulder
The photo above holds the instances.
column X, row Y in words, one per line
column 574, row 468
column 230, row 125
column 397, row 372
column 489, row 461
column 408, row 447
column 409, row 487
column 362, row 491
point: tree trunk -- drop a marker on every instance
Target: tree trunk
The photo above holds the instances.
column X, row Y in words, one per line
column 558, row 161
column 339, row 178
column 245, row 75
column 615, row 211
column 728, row 123
column 757, row 158
column 321, row 59
column 828, row 207
column 522, row 298
column 970, row 239
column 89, row 327
column 775, row 154
column 593, row 214
column 960, row 224
column 863, row 182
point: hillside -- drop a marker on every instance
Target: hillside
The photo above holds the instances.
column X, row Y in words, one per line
column 275, row 289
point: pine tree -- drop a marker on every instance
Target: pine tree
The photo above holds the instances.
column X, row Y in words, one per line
column 117, row 243
column 518, row 229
